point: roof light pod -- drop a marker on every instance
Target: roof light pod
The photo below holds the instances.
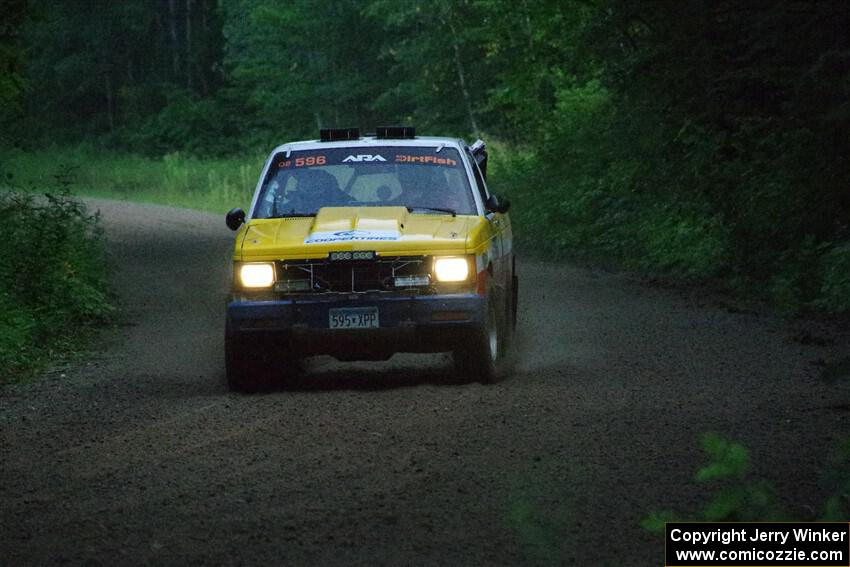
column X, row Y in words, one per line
column 395, row 132
column 338, row 134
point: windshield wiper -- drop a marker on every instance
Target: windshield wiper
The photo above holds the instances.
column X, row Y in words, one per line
column 291, row 215
column 434, row 209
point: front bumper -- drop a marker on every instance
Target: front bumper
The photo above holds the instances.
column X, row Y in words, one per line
column 408, row 323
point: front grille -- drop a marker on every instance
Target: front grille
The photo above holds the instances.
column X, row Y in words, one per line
column 323, row 276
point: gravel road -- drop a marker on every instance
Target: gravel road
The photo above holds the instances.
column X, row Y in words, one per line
column 142, row 456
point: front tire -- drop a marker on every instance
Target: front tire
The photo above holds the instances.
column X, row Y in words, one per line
column 251, row 361
column 514, row 300
column 480, row 357
column 243, row 375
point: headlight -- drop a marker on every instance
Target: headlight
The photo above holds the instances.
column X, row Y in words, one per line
column 256, row 275
column 451, row 269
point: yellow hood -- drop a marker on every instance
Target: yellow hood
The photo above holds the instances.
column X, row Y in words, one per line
column 387, row 230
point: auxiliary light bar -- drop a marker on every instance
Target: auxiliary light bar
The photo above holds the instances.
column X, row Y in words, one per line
column 338, row 134
column 395, row 132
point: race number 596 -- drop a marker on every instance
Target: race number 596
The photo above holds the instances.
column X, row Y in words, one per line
column 310, row 160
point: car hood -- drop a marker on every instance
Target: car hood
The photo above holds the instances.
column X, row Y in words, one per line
column 387, row 230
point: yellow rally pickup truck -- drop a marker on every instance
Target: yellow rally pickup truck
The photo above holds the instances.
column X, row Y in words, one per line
column 364, row 246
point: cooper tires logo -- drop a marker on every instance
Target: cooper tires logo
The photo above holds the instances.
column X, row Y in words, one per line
column 352, row 236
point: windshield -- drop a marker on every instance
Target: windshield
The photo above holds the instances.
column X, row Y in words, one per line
column 419, row 178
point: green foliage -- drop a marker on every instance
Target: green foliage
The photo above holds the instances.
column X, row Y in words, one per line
column 12, row 81
column 17, row 336
column 834, row 277
column 690, row 245
column 106, row 69
column 795, row 276
column 540, row 535
column 654, row 522
column 726, row 459
column 836, row 477
column 53, row 276
column 737, row 497
column 288, row 80
column 540, row 513
column 197, row 126
column 754, row 501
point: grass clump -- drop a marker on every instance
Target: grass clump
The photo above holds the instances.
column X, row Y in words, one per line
column 53, row 279
column 176, row 179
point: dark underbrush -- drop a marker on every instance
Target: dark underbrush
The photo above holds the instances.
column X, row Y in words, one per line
column 53, row 279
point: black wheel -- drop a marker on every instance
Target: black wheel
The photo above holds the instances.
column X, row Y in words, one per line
column 252, row 361
column 243, row 375
column 480, row 357
column 508, row 326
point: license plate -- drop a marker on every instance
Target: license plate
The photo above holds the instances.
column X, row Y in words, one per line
column 353, row 318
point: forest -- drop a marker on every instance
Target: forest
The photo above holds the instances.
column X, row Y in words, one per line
column 697, row 141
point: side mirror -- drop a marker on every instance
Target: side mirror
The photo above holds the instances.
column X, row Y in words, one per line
column 496, row 205
column 235, row 218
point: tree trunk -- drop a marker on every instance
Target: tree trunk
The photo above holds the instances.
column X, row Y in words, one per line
column 205, row 37
column 110, row 113
column 131, row 75
column 175, row 56
column 461, row 77
column 529, row 34
column 189, row 45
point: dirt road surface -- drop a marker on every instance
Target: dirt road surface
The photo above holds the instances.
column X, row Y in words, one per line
column 142, row 456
